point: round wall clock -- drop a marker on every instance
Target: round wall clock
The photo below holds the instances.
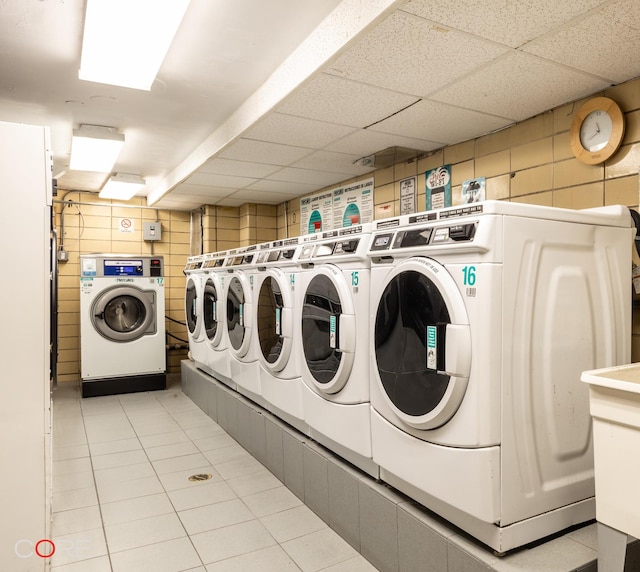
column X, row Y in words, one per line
column 597, row 130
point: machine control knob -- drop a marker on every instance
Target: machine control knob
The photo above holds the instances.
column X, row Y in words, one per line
column 288, row 253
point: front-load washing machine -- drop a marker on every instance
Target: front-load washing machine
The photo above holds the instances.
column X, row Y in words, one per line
column 122, row 329
column 333, row 316
column 193, row 310
column 214, row 314
column 241, row 323
column 278, row 334
column 482, row 320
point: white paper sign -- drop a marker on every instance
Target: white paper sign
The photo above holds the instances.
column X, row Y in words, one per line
column 126, row 225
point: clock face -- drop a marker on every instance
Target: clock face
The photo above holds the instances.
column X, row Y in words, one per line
column 595, row 130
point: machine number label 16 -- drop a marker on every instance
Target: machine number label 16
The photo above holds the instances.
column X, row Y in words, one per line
column 469, row 275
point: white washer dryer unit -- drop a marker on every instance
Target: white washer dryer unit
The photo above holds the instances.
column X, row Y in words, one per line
column 241, row 323
column 122, row 330
column 333, row 316
column 482, row 320
column 278, row 332
column 214, row 314
column 193, row 310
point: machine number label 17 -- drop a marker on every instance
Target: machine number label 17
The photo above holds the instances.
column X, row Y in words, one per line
column 469, row 275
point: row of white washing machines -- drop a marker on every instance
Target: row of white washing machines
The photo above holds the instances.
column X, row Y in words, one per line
column 440, row 352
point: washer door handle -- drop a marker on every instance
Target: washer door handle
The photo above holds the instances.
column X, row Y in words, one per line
column 100, row 315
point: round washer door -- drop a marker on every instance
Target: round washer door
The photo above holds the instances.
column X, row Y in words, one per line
column 422, row 343
column 191, row 301
column 212, row 311
column 328, row 329
column 275, row 320
column 124, row 313
column 239, row 314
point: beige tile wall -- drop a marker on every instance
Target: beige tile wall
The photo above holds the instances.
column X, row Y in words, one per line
column 95, row 228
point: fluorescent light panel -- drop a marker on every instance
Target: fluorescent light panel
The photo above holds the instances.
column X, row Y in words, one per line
column 125, row 41
column 122, row 186
column 95, row 148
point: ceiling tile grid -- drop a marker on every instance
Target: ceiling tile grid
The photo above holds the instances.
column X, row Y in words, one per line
column 509, row 23
column 519, row 86
column 216, row 128
column 290, row 130
column 336, row 100
column 441, row 122
column 414, row 56
column 366, row 142
column 264, row 152
column 604, row 43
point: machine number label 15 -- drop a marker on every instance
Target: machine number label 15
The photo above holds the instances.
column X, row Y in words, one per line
column 469, row 275
column 355, row 278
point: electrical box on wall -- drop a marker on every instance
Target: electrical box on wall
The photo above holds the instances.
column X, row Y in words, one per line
column 152, row 231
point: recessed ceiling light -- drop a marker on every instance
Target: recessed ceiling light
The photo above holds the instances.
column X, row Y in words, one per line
column 122, row 186
column 95, row 148
column 125, row 41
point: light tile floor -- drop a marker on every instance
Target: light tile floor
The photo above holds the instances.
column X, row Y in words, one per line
column 123, row 502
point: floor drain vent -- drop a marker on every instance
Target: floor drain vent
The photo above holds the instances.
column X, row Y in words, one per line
column 200, row 477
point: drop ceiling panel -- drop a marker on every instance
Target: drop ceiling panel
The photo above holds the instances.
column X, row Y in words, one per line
column 264, row 152
column 298, row 131
column 181, row 203
column 438, row 121
column 519, row 86
column 230, row 202
column 425, row 56
column 293, row 175
column 333, row 162
column 605, row 43
column 286, row 187
column 262, row 197
column 510, row 23
column 238, row 168
column 336, row 100
column 214, row 180
column 366, row 142
column 202, row 191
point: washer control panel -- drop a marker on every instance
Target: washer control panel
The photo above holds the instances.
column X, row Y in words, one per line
column 96, row 266
column 424, row 236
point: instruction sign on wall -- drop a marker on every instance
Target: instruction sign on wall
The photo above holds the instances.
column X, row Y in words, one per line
column 438, row 187
column 408, row 189
column 316, row 213
column 353, row 204
column 341, row 207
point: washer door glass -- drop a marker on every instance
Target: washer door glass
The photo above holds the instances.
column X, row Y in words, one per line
column 210, row 309
column 270, row 305
column 410, row 313
column 124, row 314
column 235, row 313
column 191, row 305
column 320, row 320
